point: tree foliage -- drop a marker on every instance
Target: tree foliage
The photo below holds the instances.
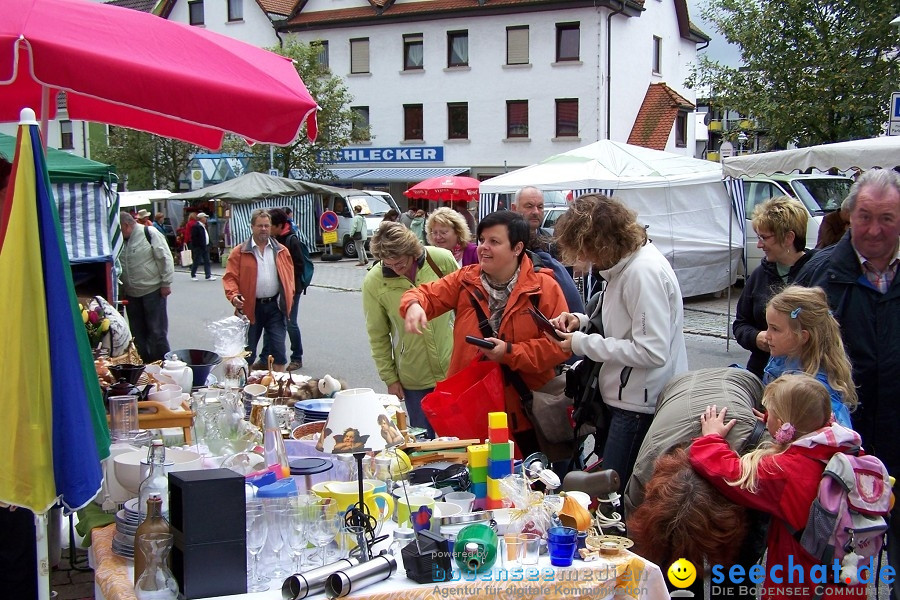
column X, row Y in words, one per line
column 145, row 161
column 815, row 71
column 334, row 118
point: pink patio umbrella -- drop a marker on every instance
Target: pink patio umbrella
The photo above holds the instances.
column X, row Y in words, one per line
column 445, row 187
column 125, row 67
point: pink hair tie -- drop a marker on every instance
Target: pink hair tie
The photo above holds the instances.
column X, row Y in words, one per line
column 785, row 434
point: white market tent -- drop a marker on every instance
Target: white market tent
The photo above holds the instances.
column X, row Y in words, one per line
column 141, row 198
column 681, row 200
column 881, row 152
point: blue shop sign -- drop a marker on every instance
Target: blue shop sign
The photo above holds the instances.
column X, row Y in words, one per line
column 404, row 154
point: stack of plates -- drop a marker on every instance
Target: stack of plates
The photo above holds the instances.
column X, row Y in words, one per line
column 308, row 411
column 127, row 521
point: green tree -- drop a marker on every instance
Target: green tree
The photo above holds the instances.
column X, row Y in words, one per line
column 143, row 160
column 334, row 118
column 815, row 71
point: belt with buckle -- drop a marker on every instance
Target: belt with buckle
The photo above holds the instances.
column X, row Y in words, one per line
column 267, row 300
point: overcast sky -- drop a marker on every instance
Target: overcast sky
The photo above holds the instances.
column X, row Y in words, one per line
column 718, row 48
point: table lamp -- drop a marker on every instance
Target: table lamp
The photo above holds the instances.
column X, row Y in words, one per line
column 358, row 424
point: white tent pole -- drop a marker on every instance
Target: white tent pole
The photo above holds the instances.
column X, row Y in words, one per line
column 43, row 560
column 730, row 234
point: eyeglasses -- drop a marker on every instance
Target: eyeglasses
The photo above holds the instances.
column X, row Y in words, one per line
column 396, row 264
column 764, row 238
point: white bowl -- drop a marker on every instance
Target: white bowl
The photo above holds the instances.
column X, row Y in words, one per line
column 129, row 471
column 255, row 389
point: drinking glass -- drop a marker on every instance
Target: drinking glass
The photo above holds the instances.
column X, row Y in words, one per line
column 277, row 518
column 326, row 525
column 296, row 533
column 256, row 538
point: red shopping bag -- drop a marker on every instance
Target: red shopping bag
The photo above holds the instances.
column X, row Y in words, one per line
column 460, row 404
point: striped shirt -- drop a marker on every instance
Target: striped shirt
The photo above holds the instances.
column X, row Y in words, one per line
column 880, row 280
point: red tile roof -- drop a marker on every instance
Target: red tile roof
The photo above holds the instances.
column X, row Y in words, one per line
column 656, row 116
column 278, row 7
column 387, row 8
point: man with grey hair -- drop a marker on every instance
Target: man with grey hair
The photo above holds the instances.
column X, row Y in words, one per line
column 147, row 272
column 859, row 275
column 259, row 281
column 529, row 202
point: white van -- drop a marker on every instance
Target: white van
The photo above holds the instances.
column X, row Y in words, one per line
column 375, row 205
column 820, row 194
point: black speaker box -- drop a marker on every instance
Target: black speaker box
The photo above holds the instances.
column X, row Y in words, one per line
column 207, row 514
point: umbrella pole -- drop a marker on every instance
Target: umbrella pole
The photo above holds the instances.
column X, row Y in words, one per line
column 43, row 560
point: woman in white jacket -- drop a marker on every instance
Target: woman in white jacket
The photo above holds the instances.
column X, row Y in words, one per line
column 634, row 325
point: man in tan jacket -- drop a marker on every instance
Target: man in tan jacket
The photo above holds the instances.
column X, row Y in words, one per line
column 259, row 281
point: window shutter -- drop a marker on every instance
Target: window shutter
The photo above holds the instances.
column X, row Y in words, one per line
column 517, row 46
column 359, row 56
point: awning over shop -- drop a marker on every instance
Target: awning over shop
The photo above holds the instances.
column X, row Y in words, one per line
column 396, row 174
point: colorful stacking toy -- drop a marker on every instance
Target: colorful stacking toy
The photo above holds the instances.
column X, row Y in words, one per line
column 499, row 463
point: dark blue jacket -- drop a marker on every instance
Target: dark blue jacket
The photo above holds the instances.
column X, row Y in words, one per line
column 870, row 327
column 750, row 315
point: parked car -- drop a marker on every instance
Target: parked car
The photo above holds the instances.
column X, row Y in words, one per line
column 551, row 216
column 819, row 194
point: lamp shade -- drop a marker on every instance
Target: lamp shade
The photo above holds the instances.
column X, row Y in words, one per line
column 356, row 423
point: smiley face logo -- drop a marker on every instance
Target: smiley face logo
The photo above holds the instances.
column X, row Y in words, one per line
column 682, row 573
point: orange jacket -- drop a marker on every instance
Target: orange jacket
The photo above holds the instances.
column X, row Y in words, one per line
column 529, row 353
column 240, row 277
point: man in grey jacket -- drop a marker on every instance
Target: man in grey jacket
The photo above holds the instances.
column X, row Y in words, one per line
column 147, row 271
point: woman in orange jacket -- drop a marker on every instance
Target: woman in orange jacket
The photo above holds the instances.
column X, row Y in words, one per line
column 505, row 286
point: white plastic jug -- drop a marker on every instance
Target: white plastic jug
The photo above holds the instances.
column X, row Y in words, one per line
column 180, row 373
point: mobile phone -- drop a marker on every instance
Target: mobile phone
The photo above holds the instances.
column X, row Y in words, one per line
column 544, row 324
column 480, row 342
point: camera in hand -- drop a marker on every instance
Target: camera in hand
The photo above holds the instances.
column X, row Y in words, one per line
column 480, row 342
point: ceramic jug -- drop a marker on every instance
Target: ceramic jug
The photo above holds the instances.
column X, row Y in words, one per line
column 180, row 374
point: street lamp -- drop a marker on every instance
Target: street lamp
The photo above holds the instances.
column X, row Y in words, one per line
column 742, row 139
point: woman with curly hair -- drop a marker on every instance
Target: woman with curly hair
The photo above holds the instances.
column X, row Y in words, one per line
column 634, row 325
column 446, row 228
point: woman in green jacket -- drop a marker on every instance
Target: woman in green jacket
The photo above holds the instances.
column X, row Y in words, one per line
column 410, row 365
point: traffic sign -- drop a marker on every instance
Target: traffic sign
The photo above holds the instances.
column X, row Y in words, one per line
column 329, row 237
column 894, row 125
column 328, row 221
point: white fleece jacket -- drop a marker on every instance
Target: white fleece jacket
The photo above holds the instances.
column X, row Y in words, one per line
column 643, row 322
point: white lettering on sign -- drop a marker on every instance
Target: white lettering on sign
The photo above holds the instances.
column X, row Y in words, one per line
column 383, row 155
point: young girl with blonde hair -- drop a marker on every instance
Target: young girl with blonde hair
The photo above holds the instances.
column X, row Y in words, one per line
column 781, row 478
column 804, row 337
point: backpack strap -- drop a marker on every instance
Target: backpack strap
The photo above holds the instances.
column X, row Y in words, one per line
column 753, row 440
column 433, row 265
column 147, row 234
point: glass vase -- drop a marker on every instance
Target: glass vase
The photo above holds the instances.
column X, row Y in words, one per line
column 157, row 581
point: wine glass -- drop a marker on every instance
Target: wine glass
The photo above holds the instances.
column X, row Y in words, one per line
column 256, row 539
column 277, row 517
column 295, row 530
column 326, row 524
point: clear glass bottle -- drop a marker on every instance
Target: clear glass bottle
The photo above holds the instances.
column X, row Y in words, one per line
column 156, row 482
column 403, row 536
column 156, row 581
column 273, row 444
column 154, row 524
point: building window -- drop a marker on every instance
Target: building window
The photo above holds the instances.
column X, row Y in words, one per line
column 360, row 131
column 412, row 122
column 567, row 117
column 657, row 55
column 66, row 141
column 195, row 12
column 235, row 10
column 322, row 56
column 681, row 129
column 359, row 55
column 517, row 45
column 568, row 37
column 458, row 120
column 413, row 51
column 517, row 118
column 457, row 48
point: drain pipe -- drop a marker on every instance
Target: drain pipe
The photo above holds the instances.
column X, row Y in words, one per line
column 609, row 17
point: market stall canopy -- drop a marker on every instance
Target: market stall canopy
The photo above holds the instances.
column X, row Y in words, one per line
column 680, row 199
column 140, row 198
column 881, row 152
column 445, row 188
column 63, row 166
column 607, row 165
column 256, row 186
column 133, row 69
